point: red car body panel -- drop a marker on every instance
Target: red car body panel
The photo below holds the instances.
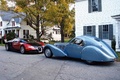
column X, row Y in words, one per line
column 29, row 46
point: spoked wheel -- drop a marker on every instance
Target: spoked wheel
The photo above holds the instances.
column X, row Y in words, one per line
column 7, row 47
column 22, row 49
column 48, row 53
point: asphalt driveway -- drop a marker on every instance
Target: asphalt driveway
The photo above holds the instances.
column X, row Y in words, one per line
column 17, row 66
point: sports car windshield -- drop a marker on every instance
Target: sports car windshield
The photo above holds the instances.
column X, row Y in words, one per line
column 28, row 41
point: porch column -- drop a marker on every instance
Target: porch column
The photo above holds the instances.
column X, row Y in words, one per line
column 117, row 35
column 15, row 31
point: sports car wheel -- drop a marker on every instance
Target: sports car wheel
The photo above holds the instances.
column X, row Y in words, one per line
column 48, row 53
column 7, row 47
column 22, row 49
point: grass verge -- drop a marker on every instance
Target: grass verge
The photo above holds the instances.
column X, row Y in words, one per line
column 118, row 53
column 2, row 44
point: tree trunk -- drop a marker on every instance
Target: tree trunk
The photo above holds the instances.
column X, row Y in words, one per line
column 37, row 29
column 62, row 30
column 37, row 35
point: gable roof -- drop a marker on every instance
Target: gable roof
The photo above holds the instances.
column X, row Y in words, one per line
column 8, row 15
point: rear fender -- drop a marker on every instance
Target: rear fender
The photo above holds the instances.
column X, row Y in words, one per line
column 56, row 51
column 92, row 53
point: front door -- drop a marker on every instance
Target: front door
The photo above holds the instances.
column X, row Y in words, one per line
column 74, row 48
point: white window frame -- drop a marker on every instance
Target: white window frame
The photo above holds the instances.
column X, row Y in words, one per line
column 105, row 31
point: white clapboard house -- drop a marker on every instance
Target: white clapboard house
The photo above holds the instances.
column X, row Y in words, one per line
column 14, row 22
column 100, row 18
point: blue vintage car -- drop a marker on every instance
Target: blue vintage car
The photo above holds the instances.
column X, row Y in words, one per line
column 88, row 48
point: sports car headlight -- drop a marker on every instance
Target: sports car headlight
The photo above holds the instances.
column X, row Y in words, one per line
column 31, row 47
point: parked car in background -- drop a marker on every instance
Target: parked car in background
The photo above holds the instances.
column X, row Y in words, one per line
column 88, row 48
column 24, row 45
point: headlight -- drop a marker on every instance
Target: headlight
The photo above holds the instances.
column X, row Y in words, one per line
column 31, row 47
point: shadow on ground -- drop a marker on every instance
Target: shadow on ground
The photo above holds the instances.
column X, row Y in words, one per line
column 84, row 62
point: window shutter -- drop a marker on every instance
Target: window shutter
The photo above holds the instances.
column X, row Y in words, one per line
column 100, row 31
column 18, row 32
column 23, row 32
column 27, row 32
column 1, row 23
column 99, row 5
column 94, row 31
column 111, row 31
column 89, row 6
column 85, row 30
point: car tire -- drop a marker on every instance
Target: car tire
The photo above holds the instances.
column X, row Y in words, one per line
column 7, row 47
column 89, row 62
column 22, row 49
column 48, row 53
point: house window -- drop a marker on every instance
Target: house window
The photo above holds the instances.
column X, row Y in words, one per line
column 106, row 31
column 94, row 5
column 89, row 30
column 5, row 31
column 25, row 33
column 17, row 33
column 57, row 31
column 1, row 24
column 0, row 34
column 13, row 23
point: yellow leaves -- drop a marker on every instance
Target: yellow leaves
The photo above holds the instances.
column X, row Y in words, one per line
column 22, row 3
column 18, row 9
column 68, row 25
column 3, row 5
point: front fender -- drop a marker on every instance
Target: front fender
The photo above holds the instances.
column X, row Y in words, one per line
column 92, row 53
column 55, row 50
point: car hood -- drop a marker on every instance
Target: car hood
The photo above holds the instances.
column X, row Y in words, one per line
column 34, row 44
column 10, row 41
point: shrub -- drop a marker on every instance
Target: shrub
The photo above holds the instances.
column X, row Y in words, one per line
column 10, row 35
column 113, row 44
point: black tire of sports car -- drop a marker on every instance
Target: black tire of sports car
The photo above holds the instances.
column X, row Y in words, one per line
column 22, row 49
column 48, row 53
column 7, row 47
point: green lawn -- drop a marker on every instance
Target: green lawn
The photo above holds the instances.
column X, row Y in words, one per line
column 2, row 44
column 118, row 53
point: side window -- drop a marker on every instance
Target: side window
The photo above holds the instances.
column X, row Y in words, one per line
column 25, row 33
column 106, row 31
column 89, row 30
column 73, row 41
column 94, row 5
column 13, row 23
column 78, row 42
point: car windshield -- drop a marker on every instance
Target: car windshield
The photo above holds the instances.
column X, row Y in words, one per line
column 27, row 40
column 70, row 40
